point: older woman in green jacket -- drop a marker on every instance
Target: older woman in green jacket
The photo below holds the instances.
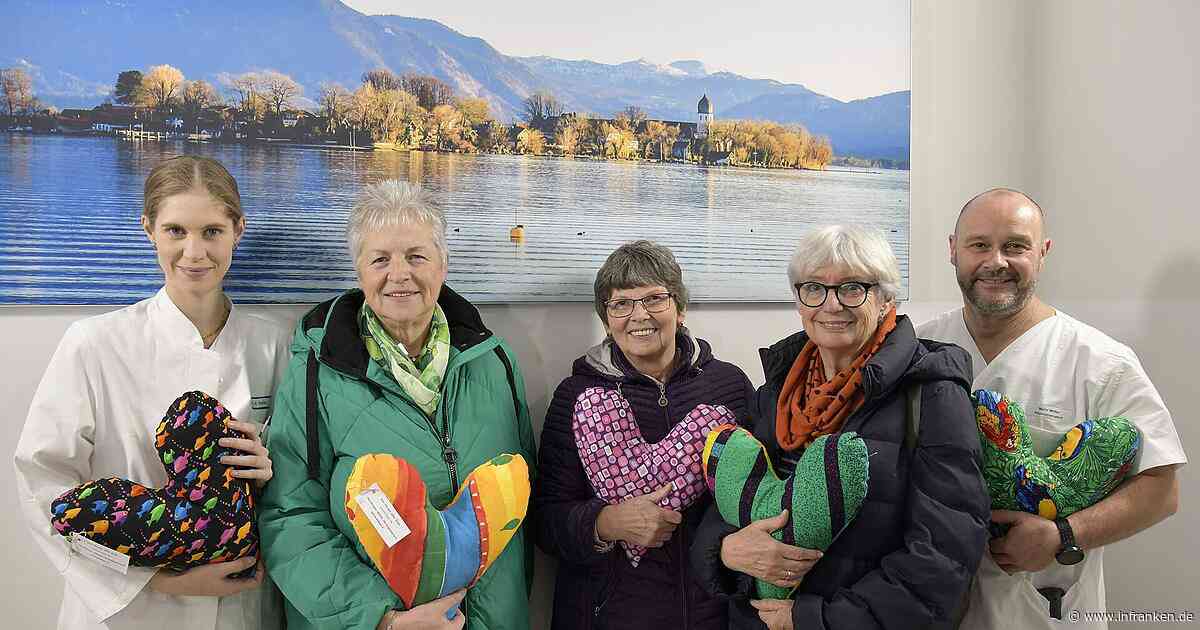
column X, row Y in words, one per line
column 405, row 366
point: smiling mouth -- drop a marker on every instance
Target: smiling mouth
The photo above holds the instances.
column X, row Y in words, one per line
column 835, row 325
column 195, row 271
column 642, row 332
column 399, row 295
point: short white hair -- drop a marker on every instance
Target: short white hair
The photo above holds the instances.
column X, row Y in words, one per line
column 862, row 252
column 391, row 203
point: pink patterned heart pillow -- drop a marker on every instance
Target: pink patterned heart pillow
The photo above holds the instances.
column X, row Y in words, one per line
column 620, row 464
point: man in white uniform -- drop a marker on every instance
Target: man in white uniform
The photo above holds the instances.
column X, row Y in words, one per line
column 1061, row 371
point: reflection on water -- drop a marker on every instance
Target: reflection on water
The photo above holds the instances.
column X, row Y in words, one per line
column 70, row 233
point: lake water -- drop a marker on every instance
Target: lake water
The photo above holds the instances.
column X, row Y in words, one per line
column 70, row 208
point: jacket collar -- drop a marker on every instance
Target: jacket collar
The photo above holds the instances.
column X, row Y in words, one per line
column 172, row 324
column 606, row 358
column 342, row 346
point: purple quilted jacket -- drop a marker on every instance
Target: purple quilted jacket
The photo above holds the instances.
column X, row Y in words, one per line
column 603, row 590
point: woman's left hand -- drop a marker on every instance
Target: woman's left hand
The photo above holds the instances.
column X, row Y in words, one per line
column 256, row 463
column 776, row 613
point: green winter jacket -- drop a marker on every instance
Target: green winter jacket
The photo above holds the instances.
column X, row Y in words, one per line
column 309, row 546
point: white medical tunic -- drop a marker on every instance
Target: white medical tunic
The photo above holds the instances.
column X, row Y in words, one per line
column 94, row 415
column 1062, row 372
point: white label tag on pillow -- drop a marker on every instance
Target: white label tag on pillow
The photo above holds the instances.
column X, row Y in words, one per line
column 94, row 551
column 383, row 515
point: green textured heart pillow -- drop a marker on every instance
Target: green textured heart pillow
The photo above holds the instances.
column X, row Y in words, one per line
column 822, row 496
column 1092, row 459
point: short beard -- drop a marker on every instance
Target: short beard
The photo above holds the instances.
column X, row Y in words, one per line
column 997, row 308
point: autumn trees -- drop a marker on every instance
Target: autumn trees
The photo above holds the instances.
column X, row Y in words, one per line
column 16, row 91
column 161, row 87
column 261, row 95
column 758, row 143
column 412, row 110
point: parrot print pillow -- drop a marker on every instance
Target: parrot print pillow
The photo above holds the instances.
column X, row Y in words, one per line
column 1092, row 459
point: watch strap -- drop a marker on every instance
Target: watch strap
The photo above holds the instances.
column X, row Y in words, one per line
column 1066, row 535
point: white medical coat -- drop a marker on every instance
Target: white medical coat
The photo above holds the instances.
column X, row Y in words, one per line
column 1062, row 372
column 94, row 415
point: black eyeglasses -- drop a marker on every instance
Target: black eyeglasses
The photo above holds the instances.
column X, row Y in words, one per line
column 653, row 303
column 849, row 294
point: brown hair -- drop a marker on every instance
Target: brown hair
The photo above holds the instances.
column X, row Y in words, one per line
column 184, row 173
column 639, row 264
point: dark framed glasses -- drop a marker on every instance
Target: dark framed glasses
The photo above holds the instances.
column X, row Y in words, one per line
column 653, row 303
column 849, row 294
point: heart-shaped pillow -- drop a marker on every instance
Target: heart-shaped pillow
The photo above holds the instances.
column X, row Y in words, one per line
column 822, row 496
column 445, row 550
column 620, row 464
column 203, row 515
column 1093, row 458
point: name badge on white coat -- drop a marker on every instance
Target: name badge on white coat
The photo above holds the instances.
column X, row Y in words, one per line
column 260, row 408
column 1046, row 411
column 383, row 515
column 101, row 555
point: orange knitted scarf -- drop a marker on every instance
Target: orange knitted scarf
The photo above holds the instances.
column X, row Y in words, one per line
column 809, row 405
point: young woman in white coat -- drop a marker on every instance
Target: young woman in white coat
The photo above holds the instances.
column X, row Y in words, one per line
column 110, row 381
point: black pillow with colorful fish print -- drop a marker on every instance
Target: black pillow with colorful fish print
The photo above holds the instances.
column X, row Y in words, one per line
column 203, row 515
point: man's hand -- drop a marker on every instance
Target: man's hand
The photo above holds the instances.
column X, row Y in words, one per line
column 775, row 613
column 639, row 520
column 752, row 550
column 1029, row 545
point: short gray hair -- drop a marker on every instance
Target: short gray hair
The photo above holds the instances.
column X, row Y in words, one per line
column 639, row 264
column 391, row 203
column 861, row 251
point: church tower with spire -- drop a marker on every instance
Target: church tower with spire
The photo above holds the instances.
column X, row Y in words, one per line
column 704, row 112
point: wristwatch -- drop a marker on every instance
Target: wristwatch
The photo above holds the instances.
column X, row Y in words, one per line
column 1068, row 552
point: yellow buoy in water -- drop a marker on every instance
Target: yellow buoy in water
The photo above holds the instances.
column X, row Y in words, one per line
column 517, row 234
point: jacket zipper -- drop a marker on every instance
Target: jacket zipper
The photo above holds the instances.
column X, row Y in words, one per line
column 605, row 591
column 449, row 455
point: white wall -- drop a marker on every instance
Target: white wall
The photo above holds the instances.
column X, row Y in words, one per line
column 1090, row 106
column 1116, row 100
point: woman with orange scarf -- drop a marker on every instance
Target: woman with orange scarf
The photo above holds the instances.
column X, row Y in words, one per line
column 907, row 558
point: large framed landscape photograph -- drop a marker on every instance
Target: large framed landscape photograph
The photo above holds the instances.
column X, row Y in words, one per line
column 550, row 132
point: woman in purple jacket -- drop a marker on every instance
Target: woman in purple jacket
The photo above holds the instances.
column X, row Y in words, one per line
column 651, row 359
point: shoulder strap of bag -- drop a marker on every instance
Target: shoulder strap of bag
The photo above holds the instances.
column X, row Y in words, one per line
column 913, row 419
column 512, row 380
column 310, row 417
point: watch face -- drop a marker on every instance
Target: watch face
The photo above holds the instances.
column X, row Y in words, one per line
column 1069, row 556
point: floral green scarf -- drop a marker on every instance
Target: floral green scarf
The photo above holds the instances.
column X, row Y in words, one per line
column 421, row 379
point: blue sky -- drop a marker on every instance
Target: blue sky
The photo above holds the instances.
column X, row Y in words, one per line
column 846, row 50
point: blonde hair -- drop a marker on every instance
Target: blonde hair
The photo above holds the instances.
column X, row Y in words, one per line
column 186, row 173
